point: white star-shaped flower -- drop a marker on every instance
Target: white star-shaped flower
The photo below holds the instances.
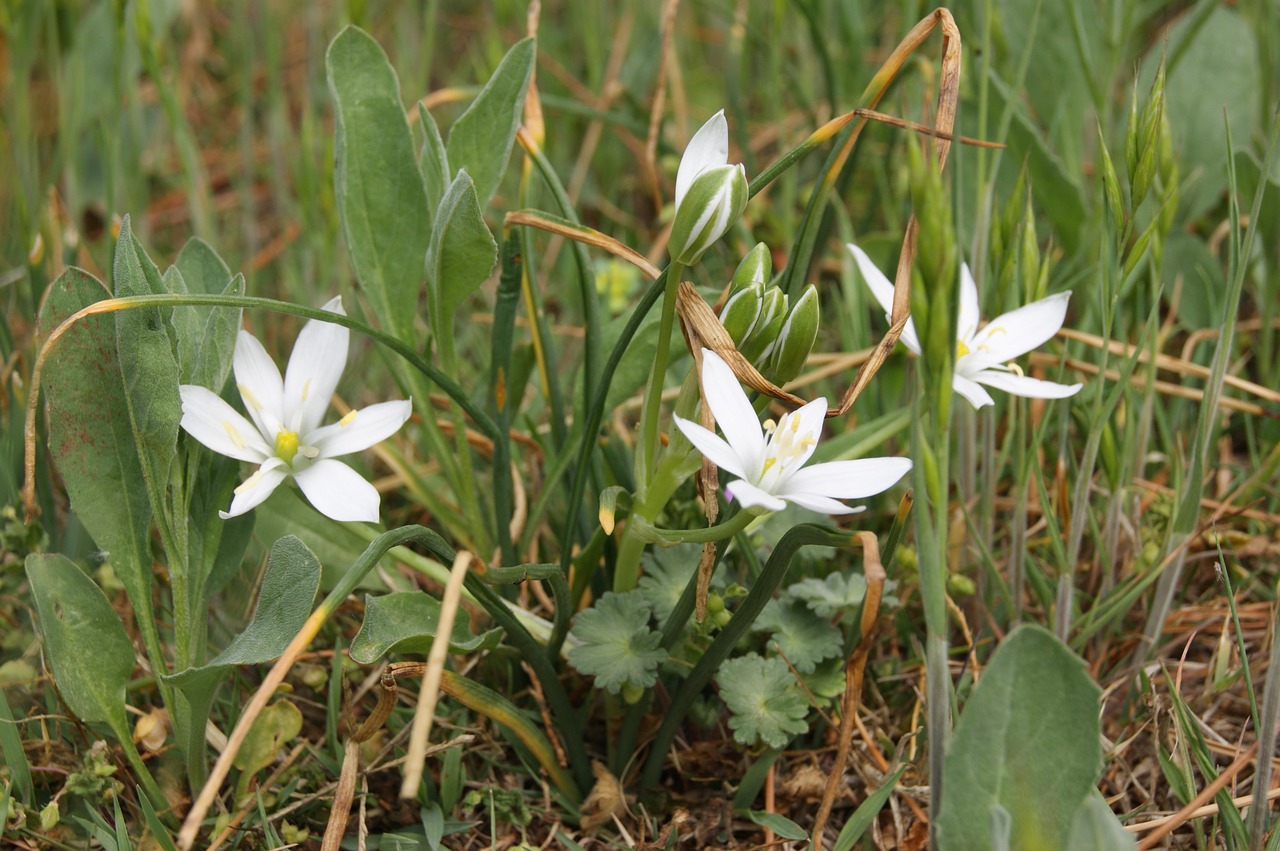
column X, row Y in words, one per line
column 769, row 462
column 982, row 356
column 285, row 438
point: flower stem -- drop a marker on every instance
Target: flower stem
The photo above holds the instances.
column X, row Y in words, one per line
column 648, row 449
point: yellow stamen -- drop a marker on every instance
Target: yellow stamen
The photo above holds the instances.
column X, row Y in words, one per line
column 286, row 445
column 249, row 483
column 768, row 462
column 348, row 418
column 961, row 349
column 306, row 389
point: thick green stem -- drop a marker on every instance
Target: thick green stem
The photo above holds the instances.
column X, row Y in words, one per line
column 647, row 454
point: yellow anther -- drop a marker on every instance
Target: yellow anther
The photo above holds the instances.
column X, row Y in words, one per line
column 770, row 426
column 795, row 424
column 347, row 418
column 233, row 434
column 961, row 349
column 768, row 462
column 306, row 389
column 286, row 445
column 308, row 451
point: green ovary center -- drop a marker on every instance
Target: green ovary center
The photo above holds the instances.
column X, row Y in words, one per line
column 286, row 445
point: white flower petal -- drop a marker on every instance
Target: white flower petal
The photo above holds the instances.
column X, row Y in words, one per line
column 811, row 417
column 360, row 429
column 882, row 290
column 339, row 492
column 712, row 446
column 217, row 425
column 967, row 320
column 258, row 380
column 1022, row 385
column 822, row 504
column 708, row 148
column 253, row 490
column 315, row 366
column 750, row 496
column 733, row 413
column 1019, row 331
column 856, row 479
column 971, row 390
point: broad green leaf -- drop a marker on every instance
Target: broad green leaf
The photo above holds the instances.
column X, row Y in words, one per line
column 89, row 435
column 434, row 160
column 866, row 813
column 380, row 195
column 618, row 648
column 148, row 368
column 1195, row 100
column 84, row 641
column 480, row 140
column 406, row 622
column 837, row 594
column 779, row 824
column 1027, row 741
column 1096, row 828
column 461, row 254
column 801, row 636
column 666, row 574
column 205, row 336
column 284, row 603
column 765, row 702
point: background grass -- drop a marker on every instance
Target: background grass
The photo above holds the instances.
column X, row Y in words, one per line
column 216, row 122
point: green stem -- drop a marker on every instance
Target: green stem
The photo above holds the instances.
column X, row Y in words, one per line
column 711, row 534
column 647, row 453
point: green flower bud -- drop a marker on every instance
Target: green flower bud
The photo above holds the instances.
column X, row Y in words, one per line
column 795, row 338
column 712, row 205
column 756, row 267
column 773, row 310
column 741, row 311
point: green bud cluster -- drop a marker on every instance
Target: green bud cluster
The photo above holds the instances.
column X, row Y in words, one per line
column 771, row 333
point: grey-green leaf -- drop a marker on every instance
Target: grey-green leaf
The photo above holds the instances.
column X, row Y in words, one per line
column 407, row 622
column 480, row 140
column 89, row 434
column 205, row 336
column 381, row 199
column 284, row 603
column 765, row 701
column 434, row 160
column 148, row 368
column 1096, row 828
column 618, row 648
column 1026, row 741
column 84, row 641
column 461, row 254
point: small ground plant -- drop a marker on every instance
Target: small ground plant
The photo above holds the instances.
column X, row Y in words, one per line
column 596, row 504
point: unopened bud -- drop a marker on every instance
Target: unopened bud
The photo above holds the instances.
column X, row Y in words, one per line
column 756, row 267
column 712, row 205
column 795, row 339
column 773, row 310
column 741, row 311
